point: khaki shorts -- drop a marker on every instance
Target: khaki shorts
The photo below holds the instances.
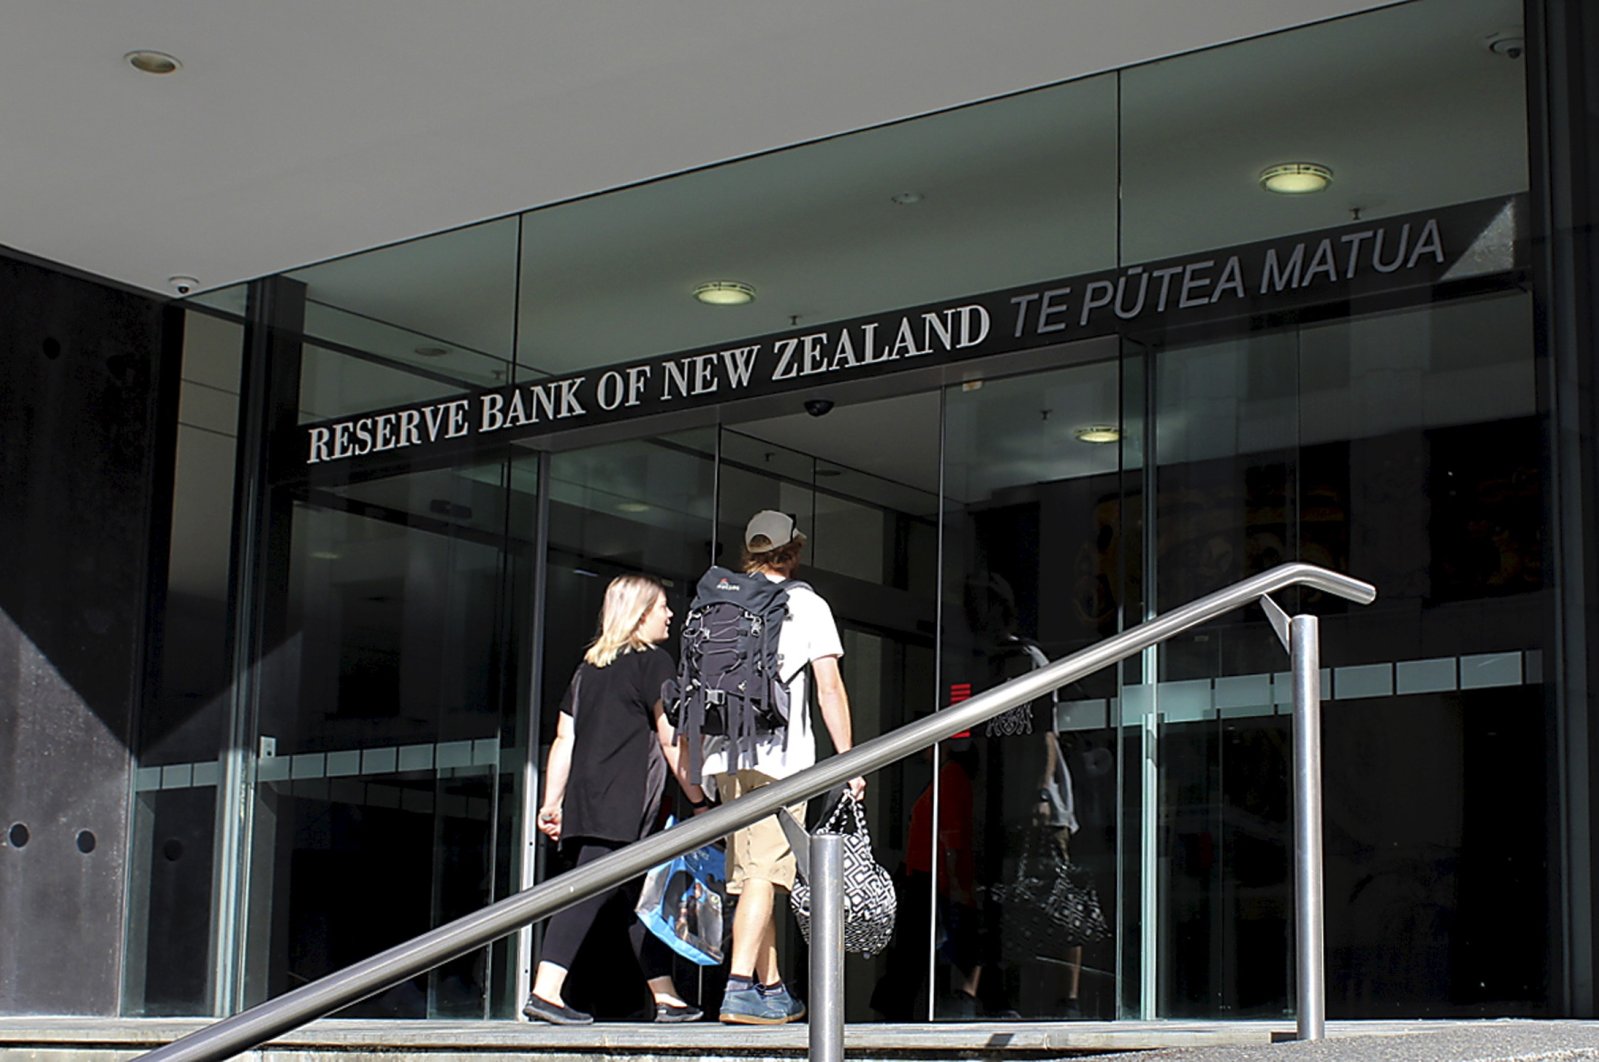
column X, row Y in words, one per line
column 759, row 852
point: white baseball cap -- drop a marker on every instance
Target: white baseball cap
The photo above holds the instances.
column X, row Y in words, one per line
column 777, row 528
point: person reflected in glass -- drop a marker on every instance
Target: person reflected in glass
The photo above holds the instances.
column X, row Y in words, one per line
column 948, row 868
column 604, row 780
column 1056, row 815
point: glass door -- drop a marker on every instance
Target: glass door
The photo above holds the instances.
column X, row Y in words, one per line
column 385, row 710
column 862, row 482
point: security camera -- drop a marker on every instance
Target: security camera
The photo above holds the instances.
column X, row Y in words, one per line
column 183, row 285
column 818, row 407
column 1509, row 43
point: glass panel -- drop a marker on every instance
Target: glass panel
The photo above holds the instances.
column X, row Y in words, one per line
column 1007, row 192
column 1402, row 448
column 1226, row 432
column 184, row 722
column 645, row 505
column 382, row 706
column 334, row 383
column 862, row 484
column 1406, row 107
column 441, row 304
column 1031, row 536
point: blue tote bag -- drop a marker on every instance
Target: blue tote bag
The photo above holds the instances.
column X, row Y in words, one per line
column 682, row 903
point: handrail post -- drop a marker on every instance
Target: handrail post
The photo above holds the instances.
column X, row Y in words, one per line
column 1305, row 660
column 827, row 948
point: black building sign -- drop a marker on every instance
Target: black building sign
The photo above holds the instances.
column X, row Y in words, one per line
column 1346, row 265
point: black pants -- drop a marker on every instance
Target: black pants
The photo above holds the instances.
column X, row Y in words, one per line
column 567, row 929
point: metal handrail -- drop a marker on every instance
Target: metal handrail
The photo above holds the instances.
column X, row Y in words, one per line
column 263, row 1022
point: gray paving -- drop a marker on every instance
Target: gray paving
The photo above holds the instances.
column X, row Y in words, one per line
column 1491, row 1041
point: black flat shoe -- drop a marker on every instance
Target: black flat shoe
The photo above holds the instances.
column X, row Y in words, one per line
column 540, row 1009
column 671, row 1013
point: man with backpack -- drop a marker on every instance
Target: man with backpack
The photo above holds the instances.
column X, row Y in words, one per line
column 743, row 689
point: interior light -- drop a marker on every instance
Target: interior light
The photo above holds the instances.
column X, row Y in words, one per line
column 149, row 62
column 1295, row 178
column 906, row 198
column 634, row 507
column 724, row 293
column 1098, row 433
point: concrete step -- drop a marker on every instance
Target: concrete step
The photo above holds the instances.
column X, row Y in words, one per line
column 115, row 1040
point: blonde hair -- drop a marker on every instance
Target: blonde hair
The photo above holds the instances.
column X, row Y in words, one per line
column 627, row 600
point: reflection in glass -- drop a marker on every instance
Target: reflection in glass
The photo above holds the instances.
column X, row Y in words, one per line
column 184, row 721
column 379, row 750
column 1407, row 110
column 1012, row 191
column 1031, row 534
column 1403, row 448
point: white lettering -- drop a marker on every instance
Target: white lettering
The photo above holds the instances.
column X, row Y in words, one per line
column 1054, row 301
column 1429, row 240
column 1354, row 240
column 905, row 341
column 608, row 392
column 811, row 353
column 410, row 421
column 785, row 355
column 740, row 363
column 1192, row 283
column 1323, row 261
column 570, row 407
column 1020, row 302
column 1232, row 278
column 637, row 377
column 491, row 413
column 319, row 446
column 844, row 353
column 1275, row 277
column 1097, row 294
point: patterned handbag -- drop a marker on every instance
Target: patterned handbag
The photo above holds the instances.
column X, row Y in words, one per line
column 1050, row 905
column 869, row 897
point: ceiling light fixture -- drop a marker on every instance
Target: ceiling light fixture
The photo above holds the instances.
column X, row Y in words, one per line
column 634, row 507
column 1098, row 433
column 724, row 293
column 1295, row 178
column 906, row 198
column 148, row 62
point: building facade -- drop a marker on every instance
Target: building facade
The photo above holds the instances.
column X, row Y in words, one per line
column 308, row 561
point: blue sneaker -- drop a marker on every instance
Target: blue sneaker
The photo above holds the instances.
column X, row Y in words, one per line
column 747, row 1006
column 779, row 997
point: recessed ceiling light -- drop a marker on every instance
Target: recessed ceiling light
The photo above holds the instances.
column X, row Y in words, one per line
column 724, row 293
column 149, row 62
column 1295, row 178
column 1098, row 433
column 634, row 507
column 906, row 198
column 432, row 352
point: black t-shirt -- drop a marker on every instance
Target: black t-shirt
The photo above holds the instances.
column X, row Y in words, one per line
column 618, row 773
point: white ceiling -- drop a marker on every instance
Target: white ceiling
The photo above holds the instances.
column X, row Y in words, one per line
column 300, row 130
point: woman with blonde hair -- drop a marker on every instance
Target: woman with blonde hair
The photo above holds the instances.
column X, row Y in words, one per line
column 604, row 781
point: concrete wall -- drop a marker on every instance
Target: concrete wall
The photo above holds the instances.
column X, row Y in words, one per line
column 85, row 483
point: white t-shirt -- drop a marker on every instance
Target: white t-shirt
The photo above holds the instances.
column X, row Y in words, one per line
column 808, row 633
